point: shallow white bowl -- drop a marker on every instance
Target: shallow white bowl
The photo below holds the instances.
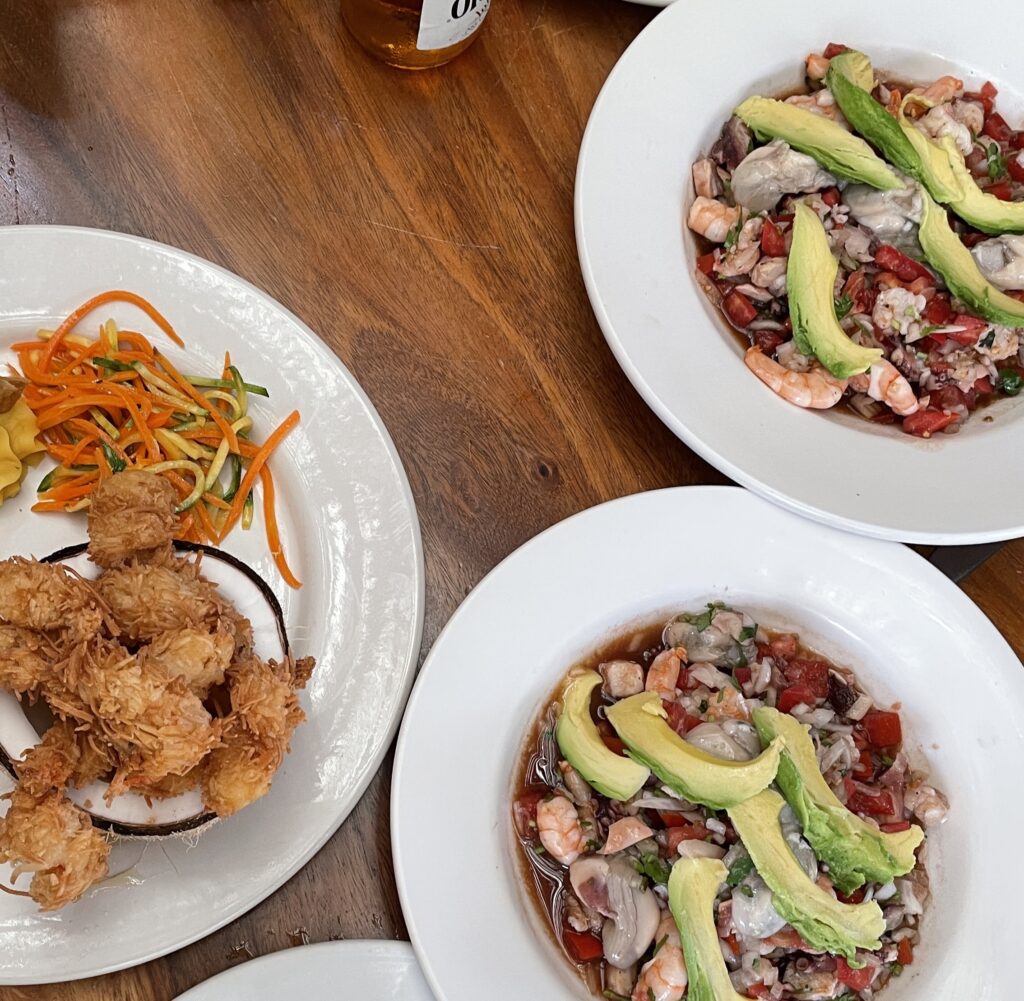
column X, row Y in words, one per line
column 910, row 634
column 662, row 106
column 350, row 530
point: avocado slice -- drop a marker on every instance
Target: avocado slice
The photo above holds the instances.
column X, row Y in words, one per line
column 845, row 78
column 609, row 773
column 810, row 283
column 954, row 262
column 691, row 772
column 822, row 921
column 692, row 887
column 856, row 852
column 830, row 144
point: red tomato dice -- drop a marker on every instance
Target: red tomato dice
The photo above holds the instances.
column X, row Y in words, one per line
column 882, row 728
column 925, row 423
column 904, row 952
column 706, row 263
column 905, row 268
column 791, row 697
column 811, row 673
column 582, row 947
column 674, row 836
column 865, row 767
column 773, row 243
column 996, row 128
column 743, row 675
column 855, row 979
column 895, row 827
column 739, row 309
column 939, row 310
column 1016, row 167
column 875, row 804
column 1002, row 190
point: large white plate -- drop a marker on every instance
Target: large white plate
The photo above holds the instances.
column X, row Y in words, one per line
column 350, row 527
column 369, row 971
column 661, row 107
column 909, row 632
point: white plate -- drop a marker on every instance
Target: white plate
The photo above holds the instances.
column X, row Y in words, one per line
column 369, row 971
column 350, row 529
column 908, row 631
column 664, row 104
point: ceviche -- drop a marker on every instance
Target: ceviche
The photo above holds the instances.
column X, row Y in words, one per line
column 709, row 810
column 867, row 238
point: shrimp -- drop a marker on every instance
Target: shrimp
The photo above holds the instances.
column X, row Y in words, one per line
column 132, row 515
column 622, row 678
column 712, row 219
column 43, row 596
column 728, row 704
column 197, row 655
column 944, row 89
column 24, row 661
column 664, row 977
column 821, row 102
column 927, row 804
column 663, row 675
column 817, row 66
column 817, row 389
column 742, row 258
column 560, row 830
column 883, row 382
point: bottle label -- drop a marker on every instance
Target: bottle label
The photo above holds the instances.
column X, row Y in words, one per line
column 445, row 22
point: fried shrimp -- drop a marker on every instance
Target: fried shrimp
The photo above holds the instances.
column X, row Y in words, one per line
column 52, row 838
column 157, row 725
column 131, row 516
column 51, row 763
column 198, row 656
column 262, row 699
column 46, row 597
column 25, row 664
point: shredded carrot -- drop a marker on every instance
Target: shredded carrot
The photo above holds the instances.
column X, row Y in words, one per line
column 99, row 403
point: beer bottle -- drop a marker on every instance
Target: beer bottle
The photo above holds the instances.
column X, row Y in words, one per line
column 414, row 34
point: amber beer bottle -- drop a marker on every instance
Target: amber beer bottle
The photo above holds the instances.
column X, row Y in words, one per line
column 414, row 34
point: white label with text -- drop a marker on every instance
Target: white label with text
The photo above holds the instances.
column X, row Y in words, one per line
column 445, row 22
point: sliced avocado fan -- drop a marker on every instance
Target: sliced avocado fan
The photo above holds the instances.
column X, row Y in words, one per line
column 830, row 144
column 822, row 921
column 689, row 771
column 947, row 254
column 609, row 773
column 692, row 888
column 856, row 852
column 937, row 164
column 810, row 283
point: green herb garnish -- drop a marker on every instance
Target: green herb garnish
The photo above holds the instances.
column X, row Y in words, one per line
column 747, row 633
column 655, row 868
column 739, row 870
column 117, row 464
column 1010, row 382
column 988, row 340
column 996, row 162
column 843, row 306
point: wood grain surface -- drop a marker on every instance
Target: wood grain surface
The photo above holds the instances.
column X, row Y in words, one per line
column 422, row 225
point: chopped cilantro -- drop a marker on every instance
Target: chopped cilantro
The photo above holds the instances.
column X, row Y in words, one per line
column 592, row 845
column 739, row 870
column 703, row 707
column 657, row 948
column 988, row 340
column 733, row 235
column 703, row 620
column 1010, row 382
column 746, row 890
column 650, row 994
column 897, row 969
column 996, row 162
column 539, row 849
column 843, row 306
column 747, row 633
column 655, row 868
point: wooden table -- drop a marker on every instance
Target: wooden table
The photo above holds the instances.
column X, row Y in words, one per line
column 422, row 224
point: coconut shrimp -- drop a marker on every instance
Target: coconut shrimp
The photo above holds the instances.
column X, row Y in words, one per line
column 817, row 389
column 883, row 382
column 712, row 219
column 664, row 977
column 199, row 656
column 131, row 515
column 49, row 836
column 663, row 675
column 42, row 596
column 25, row 661
column 559, row 828
column 239, row 771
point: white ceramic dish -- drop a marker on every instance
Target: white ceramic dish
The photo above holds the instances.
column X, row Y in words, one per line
column 910, row 633
column 664, row 104
column 351, row 531
column 369, row 971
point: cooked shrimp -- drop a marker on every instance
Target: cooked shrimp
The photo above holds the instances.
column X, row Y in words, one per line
column 24, row 661
column 622, row 678
column 821, row 102
column 742, row 258
column 561, row 833
column 817, row 389
column 883, row 382
column 50, row 763
column 52, row 838
column 131, row 515
column 944, row 89
column 625, row 833
column 239, row 771
column 663, row 675
column 712, row 219
column 200, row 656
column 817, row 66
column 664, row 977
column 45, row 596
column 728, row 704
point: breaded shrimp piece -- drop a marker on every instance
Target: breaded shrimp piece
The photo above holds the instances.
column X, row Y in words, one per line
column 239, row 771
column 45, row 596
column 170, row 785
column 53, row 838
column 262, row 699
column 50, row 764
column 157, row 726
column 199, row 656
column 132, row 517
column 149, row 600
column 95, row 759
column 25, row 661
